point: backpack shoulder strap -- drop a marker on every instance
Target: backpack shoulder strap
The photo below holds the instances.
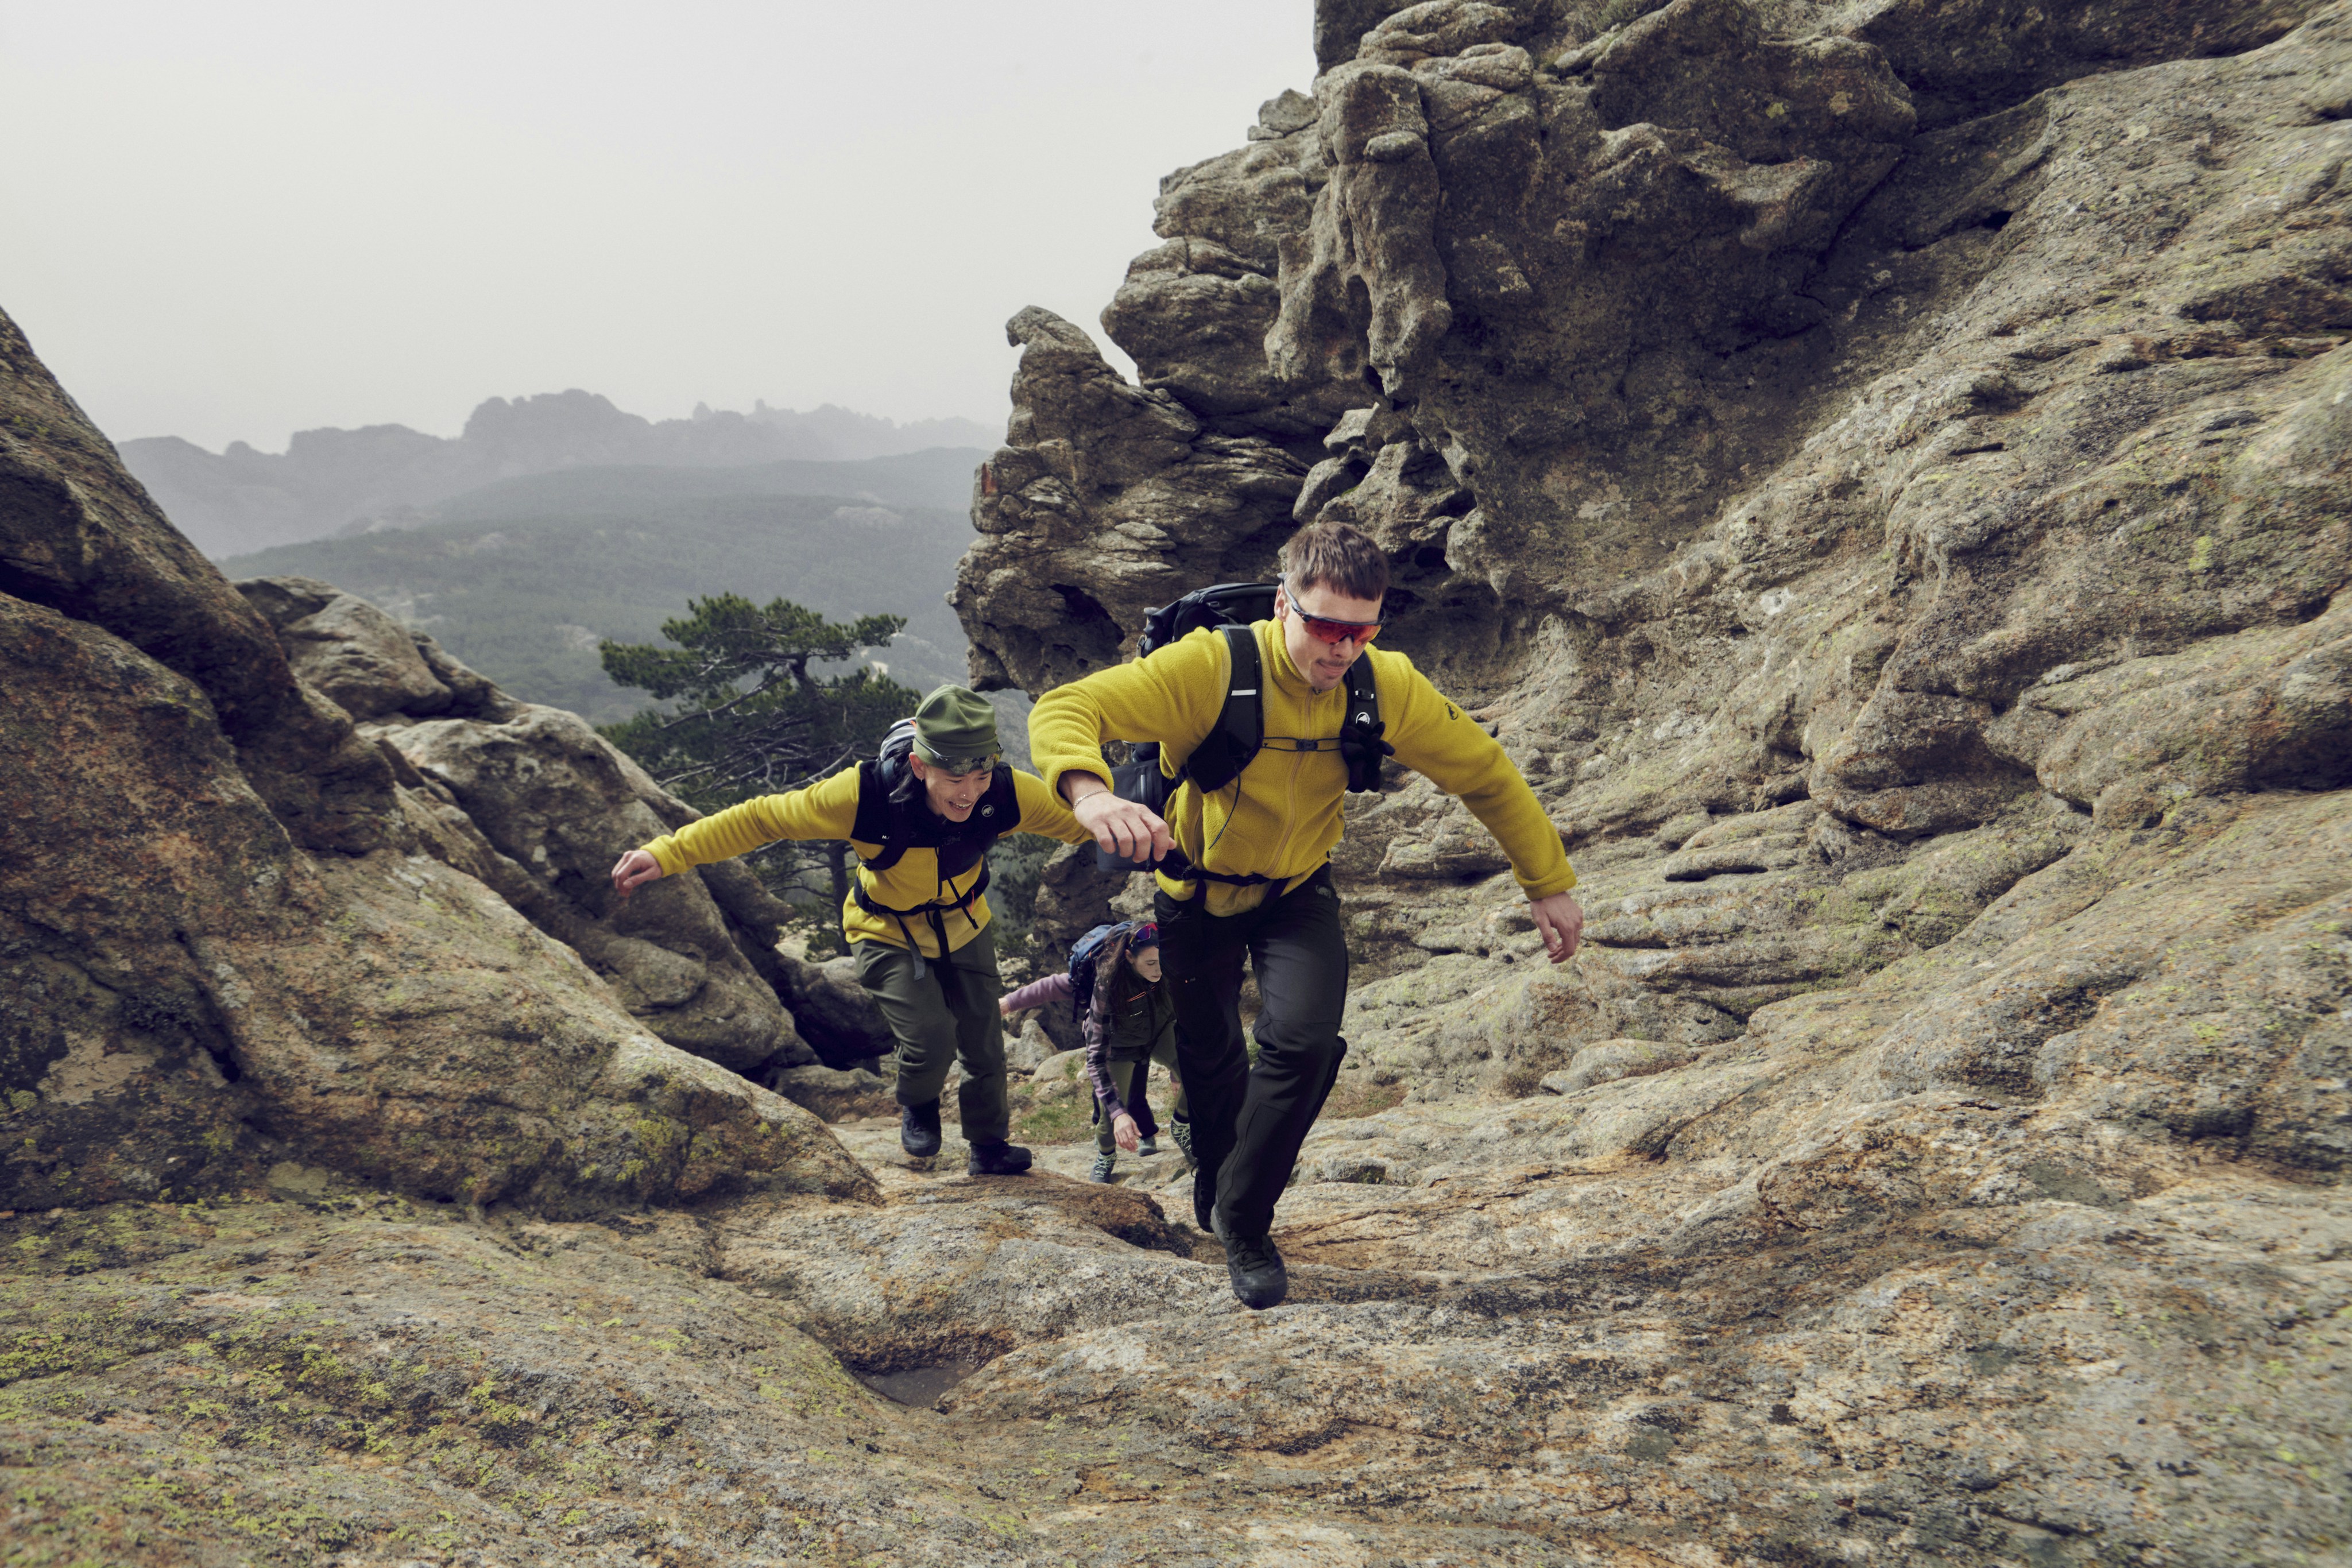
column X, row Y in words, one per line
column 1360, row 729
column 876, row 817
column 999, row 812
column 1244, row 719
column 1240, row 731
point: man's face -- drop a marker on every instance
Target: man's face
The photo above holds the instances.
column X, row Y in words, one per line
column 1325, row 664
column 950, row 797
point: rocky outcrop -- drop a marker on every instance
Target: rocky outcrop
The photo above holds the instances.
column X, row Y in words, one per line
column 79, row 537
column 1107, row 497
column 1913, row 594
column 532, row 802
column 1882, row 471
column 225, row 941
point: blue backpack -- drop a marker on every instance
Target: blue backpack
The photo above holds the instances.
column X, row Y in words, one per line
column 1083, row 952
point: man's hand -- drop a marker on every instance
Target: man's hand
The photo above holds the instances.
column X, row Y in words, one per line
column 1121, row 827
column 1562, row 924
column 632, row 871
column 1123, row 1133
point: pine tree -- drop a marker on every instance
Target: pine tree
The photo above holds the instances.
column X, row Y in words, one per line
column 749, row 716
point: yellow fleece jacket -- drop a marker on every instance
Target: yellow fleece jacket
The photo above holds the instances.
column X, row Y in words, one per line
column 828, row 810
column 1283, row 815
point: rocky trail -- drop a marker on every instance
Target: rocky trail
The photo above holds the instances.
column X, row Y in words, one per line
column 1883, row 470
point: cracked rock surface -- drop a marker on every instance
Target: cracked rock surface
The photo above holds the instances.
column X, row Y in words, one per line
column 1881, row 469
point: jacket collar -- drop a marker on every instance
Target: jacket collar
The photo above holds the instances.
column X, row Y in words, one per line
column 1274, row 652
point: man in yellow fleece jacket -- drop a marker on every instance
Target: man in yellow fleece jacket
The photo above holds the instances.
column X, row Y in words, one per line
column 916, row 917
column 1250, row 874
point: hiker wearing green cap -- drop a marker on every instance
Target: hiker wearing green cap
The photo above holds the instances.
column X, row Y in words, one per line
column 921, row 817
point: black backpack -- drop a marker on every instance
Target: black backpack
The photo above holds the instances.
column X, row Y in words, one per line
column 1239, row 732
column 892, row 812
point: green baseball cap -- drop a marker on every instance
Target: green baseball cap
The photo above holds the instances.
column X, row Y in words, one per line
column 955, row 726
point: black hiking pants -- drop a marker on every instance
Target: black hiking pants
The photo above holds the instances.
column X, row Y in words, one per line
column 1248, row 1122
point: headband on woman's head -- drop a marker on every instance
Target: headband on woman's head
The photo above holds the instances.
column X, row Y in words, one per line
column 1145, row 935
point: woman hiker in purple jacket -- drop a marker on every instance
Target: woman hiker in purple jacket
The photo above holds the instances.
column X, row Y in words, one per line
column 1129, row 1022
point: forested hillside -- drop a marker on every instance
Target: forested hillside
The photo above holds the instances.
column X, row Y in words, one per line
column 525, row 586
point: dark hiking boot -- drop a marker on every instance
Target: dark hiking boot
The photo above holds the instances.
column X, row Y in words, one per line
column 918, row 1129
column 1181, row 1130
column 1256, row 1267
column 1147, row 1146
column 1104, row 1165
column 999, row 1158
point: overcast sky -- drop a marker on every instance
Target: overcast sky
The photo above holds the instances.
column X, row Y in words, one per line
column 230, row 219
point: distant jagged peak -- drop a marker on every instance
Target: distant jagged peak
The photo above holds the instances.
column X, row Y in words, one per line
column 332, row 479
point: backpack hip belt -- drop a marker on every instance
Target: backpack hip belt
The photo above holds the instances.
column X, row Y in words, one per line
column 935, row 910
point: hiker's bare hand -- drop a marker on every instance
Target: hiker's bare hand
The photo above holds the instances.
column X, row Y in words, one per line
column 1122, row 827
column 1123, row 1133
column 1561, row 921
column 632, row 871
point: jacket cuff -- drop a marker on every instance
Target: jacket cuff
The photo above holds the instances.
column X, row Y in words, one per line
column 1054, row 770
column 1544, row 887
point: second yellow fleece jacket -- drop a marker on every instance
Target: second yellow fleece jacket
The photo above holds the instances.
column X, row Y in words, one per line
column 1285, row 813
column 828, row 810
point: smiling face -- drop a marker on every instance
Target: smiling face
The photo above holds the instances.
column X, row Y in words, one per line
column 1145, row 962
column 950, row 798
column 1325, row 664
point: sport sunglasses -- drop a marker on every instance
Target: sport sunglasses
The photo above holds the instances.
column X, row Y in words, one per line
column 1324, row 629
column 957, row 766
column 964, row 766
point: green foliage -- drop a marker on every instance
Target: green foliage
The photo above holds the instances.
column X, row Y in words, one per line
column 752, row 717
column 527, row 600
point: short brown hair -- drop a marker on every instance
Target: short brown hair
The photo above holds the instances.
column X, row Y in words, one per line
column 1338, row 555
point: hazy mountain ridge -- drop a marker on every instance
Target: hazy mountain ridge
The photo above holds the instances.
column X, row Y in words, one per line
column 529, row 578
column 328, row 479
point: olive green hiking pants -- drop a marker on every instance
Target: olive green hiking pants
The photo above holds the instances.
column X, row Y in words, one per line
column 946, row 1013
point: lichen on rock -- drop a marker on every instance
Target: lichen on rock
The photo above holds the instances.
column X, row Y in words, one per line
column 1880, row 472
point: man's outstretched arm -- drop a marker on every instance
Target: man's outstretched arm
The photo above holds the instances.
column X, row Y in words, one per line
column 1128, row 829
column 825, row 810
column 1435, row 739
column 1560, row 921
column 1173, row 696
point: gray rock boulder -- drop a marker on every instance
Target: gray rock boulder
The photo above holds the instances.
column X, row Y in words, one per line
column 555, row 798
column 348, row 649
column 1106, row 500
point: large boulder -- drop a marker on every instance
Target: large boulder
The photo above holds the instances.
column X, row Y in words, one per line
column 532, row 802
column 556, row 799
column 1106, row 500
column 80, row 536
column 191, row 995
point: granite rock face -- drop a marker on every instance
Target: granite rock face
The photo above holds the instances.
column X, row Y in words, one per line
column 532, row 802
column 233, row 934
column 1883, row 472
column 1879, row 469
